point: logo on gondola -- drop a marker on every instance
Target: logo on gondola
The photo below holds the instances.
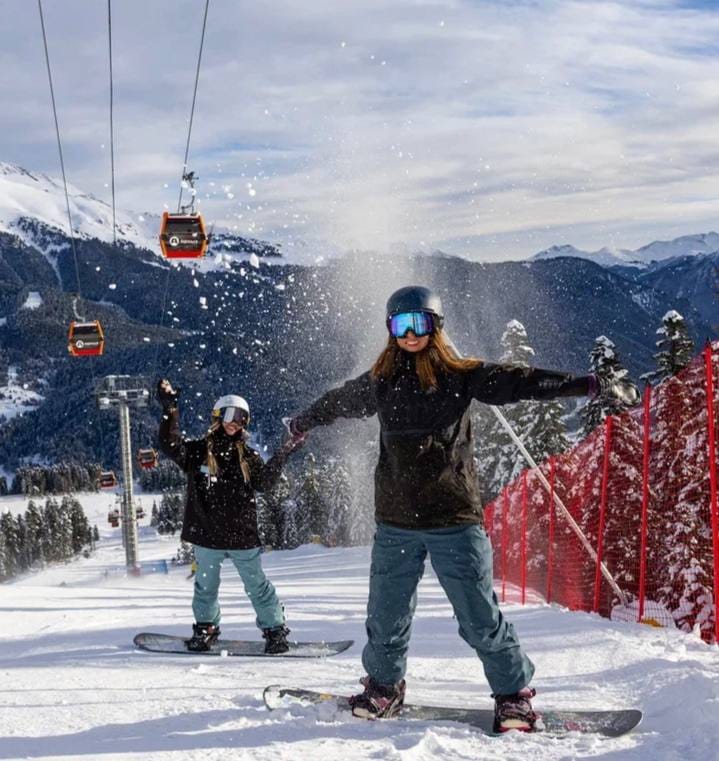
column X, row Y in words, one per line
column 174, row 240
column 79, row 343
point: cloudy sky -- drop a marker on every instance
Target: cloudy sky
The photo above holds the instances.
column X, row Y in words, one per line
column 490, row 130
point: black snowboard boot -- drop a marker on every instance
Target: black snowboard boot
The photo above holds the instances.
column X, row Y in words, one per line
column 378, row 701
column 515, row 711
column 276, row 640
column 204, row 635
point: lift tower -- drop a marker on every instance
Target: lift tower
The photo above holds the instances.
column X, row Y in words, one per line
column 123, row 392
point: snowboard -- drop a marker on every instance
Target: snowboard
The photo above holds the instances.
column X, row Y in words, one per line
column 555, row 723
column 166, row 643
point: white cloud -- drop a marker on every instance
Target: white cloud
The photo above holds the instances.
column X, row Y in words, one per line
column 508, row 127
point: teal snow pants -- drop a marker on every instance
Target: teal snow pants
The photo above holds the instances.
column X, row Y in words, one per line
column 258, row 587
column 462, row 559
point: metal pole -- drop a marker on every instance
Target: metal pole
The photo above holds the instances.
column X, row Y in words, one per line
column 713, row 489
column 603, row 509
column 129, row 518
column 645, row 501
column 563, row 508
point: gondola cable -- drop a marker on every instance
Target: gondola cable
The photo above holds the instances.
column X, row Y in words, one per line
column 62, row 160
column 187, row 178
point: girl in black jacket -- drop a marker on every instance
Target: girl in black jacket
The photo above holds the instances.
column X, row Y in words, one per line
column 220, row 520
column 427, row 497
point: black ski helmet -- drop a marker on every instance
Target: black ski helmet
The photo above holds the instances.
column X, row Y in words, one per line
column 416, row 298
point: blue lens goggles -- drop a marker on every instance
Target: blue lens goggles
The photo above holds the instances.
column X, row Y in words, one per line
column 420, row 323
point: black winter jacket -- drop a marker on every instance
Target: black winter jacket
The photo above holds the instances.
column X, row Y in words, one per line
column 220, row 512
column 425, row 477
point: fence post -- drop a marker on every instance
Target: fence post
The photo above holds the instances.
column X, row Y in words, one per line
column 523, row 559
column 550, row 548
column 602, row 510
column 711, row 422
column 645, row 502
column 505, row 509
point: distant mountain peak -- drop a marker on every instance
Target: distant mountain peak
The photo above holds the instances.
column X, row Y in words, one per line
column 32, row 202
column 685, row 245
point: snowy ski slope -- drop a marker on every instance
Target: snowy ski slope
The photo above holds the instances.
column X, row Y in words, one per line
column 74, row 688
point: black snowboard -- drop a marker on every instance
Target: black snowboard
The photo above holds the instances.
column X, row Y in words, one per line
column 166, row 643
column 607, row 723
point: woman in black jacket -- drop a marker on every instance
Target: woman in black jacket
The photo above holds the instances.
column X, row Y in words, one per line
column 427, row 497
column 220, row 519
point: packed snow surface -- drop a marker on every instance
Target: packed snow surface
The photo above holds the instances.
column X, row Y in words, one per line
column 74, row 687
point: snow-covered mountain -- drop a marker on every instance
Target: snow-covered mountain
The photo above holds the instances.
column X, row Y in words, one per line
column 33, row 204
column 31, row 195
column 660, row 250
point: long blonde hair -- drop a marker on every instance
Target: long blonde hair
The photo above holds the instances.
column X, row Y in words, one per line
column 239, row 446
column 438, row 357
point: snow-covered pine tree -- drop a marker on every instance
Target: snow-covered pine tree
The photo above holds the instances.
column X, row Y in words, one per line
column 339, row 499
column 8, row 529
column 4, row 574
column 23, row 550
column 51, row 523
column 312, row 509
column 34, row 522
column 78, row 522
column 675, row 345
column 603, row 362
column 539, row 424
column 271, row 512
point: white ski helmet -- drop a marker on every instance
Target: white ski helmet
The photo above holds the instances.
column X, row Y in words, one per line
column 229, row 403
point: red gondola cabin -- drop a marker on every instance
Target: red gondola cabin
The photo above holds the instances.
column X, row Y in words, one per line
column 107, row 479
column 86, row 339
column 147, row 458
column 183, row 236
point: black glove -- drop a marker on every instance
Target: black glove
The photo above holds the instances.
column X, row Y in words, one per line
column 166, row 395
column 622, row 391
column 291, row 443
column 294, row 427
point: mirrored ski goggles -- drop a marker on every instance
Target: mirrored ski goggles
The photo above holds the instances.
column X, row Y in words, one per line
column 232, row 415
column 420, row 323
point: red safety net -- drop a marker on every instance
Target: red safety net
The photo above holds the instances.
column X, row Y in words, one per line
column 639, row 540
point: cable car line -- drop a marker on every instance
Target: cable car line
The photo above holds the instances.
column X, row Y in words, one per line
column 112, row 124
column 183, row 235
column 192, row 109
column 59, row 148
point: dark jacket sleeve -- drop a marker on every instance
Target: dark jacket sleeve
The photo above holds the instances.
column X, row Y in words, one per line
column 188, row 454
column 264, row 475
column 504, row 384
column 355, row 399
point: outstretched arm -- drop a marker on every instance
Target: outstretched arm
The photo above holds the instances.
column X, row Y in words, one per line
column 355, row 399
column 504, row 384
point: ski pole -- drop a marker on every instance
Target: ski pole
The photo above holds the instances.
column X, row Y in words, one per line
column 560, row 504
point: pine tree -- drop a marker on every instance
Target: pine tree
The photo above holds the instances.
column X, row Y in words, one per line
column 8, row 529
column 34, row 522
column 676, row 348
column 538, row 424
column 4, row 574
column 271, row 512
column 339, row 501
column 603, row 362
column 312, row 509
column 51, row 526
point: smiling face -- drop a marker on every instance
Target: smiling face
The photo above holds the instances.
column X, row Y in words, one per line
column 412, row 343
column 231, row 429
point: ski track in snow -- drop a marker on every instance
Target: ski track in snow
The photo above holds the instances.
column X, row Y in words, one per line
column 73, row 687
